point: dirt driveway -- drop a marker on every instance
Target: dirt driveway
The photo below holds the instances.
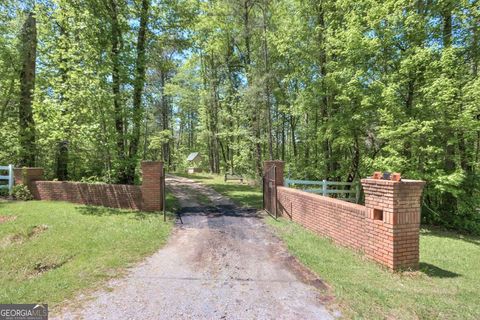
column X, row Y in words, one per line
column 222, row 263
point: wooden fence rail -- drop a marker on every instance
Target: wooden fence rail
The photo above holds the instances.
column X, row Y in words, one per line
column 8, row 177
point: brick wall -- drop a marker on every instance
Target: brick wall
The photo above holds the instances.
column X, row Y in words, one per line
column 147, row 197
column 386, row 229
column 342, row 221
column 107, row 195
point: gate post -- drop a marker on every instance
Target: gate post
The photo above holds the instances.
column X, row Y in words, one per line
column 152, row 188
column 278, row 169
column 28, row 176
column 280, row 165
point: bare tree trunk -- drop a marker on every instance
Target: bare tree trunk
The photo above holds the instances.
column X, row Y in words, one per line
column 255, row 122
column 116, row 35
column 268, row 105
column 165, row 116
column 233, row 90
column 322, row 61
column 137, row 92
column 61, row 170
column 27, row 86
column 449, row 200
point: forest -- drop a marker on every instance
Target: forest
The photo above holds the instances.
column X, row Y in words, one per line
column 337, row 89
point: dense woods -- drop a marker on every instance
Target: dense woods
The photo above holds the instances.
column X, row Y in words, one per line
column 336, row 88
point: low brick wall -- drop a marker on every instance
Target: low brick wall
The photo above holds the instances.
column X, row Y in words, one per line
column 147, row 197
column 386, row 229
column 342, row 221
column 107, row 195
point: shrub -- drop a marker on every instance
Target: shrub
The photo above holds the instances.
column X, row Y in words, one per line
column 21, row 192
column 3, row 192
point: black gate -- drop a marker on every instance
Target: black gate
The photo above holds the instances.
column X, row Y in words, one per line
column 164, row 202
column 270, row 191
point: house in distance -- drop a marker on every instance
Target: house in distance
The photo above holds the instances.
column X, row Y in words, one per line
column 194, row 162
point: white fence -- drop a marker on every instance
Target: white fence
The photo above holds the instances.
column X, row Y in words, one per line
column 347, row 191
column 6, row 177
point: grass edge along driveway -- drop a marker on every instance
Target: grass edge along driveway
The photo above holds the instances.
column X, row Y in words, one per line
column 447, row 286
column 51, row 251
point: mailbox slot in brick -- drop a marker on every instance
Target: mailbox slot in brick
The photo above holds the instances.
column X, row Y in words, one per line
column 377, row 214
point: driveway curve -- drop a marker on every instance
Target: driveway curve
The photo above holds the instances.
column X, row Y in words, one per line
column 222, row 263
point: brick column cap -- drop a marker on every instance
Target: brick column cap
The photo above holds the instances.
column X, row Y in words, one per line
column 151, row 163
column 274, row 161
column 391, row 182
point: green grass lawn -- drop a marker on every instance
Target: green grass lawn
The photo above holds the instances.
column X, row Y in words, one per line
column 446, row 287
column 53, row 250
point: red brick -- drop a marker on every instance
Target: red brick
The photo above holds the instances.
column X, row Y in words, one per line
column 392, row 241
column 147, row 197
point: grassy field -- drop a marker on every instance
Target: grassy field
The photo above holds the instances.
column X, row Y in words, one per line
column 447, row 286
column 49, row 251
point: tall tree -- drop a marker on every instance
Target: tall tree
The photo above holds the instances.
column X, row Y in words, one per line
column 139, row 83
column 27, row 86
column 116, row 46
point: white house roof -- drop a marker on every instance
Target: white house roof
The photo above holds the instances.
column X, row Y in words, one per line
column 192, row 156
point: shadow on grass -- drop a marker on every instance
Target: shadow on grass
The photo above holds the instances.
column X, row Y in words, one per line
column 244, row 195
column 212, row 211
column 104, row 211
column 436, row 272
column 193, row 176
column 431, row 231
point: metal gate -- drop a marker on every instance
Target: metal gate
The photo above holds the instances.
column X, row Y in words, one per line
column 164, row 203
column 270, row 191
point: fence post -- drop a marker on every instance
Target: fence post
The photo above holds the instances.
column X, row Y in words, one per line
column 10, row 179
column 324, row 187
column 164, row 191
column 263, row 191
column 275, row 186
column 357, row 193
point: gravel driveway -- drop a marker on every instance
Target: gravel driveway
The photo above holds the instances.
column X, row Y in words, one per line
column 222, row 263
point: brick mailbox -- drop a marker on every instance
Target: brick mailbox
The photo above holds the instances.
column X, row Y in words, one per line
column 393, row 221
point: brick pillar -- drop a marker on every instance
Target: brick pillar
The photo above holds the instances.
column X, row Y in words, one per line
column 152, row 172
column 27, row 176
column 393, row 221
column 267, row 165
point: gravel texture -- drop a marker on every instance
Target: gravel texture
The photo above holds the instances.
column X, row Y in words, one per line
column 222, row 263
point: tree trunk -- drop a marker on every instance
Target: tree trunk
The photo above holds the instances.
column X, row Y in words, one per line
column 61, row 170
column 116, row 35
column 268, row 105
column 137, row 92
column 255, row 122
column 322, row 64
column 448, row 199
column 27, row 86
